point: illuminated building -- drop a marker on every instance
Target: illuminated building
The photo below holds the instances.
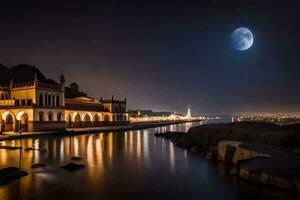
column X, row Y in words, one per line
column 40, row 104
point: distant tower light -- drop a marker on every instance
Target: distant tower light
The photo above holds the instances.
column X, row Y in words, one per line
column 188, row 114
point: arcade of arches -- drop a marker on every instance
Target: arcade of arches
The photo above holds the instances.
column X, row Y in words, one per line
column 90, row 119
column 38, row 105
column 11, row 122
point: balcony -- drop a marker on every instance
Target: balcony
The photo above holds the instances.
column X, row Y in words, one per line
column 15, row 103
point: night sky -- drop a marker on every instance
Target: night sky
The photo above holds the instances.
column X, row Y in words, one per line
column 163, row 55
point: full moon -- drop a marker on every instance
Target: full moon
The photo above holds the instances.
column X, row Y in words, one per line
column 241, row 39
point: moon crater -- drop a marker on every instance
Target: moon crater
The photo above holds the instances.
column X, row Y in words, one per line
column 241, row 39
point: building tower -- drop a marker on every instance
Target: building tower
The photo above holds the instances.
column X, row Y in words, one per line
column 188, row 114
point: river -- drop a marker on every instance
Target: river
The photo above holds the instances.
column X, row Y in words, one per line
column 124, row 165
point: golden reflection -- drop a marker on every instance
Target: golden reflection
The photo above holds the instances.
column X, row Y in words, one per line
column 3, row 157
column 36, row 154
column 138, row 145
column 4, row 193
column 110, row 147
column 54, row 148
column 130, row 142
column 145, row 144
column 90, row 150
column 62, row 150
column 99, row 154
column 125, row 141
column 82, row 144
column 76, row 146
column 172, row 158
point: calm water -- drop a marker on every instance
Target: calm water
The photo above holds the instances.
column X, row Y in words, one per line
column 124, row 165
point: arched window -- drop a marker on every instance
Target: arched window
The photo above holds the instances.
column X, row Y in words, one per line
column 41, row 100
column 24, row 119
column 46, row 100
column 59, row 117
column 6, row 96
column 50, row 116
column 41, row 116
column 69, row 118
column 57, row 101
column 87, row 118
column 53, row 101
column 77, row 118
column 106, row 118
column 96, row 118
column 9, row 119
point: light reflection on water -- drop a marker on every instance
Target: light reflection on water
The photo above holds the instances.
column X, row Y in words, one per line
column 120, row 165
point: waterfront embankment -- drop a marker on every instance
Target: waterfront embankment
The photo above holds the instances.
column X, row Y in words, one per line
column 260, row 152
column 75, row 131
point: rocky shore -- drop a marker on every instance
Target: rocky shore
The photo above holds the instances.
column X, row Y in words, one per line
column 262, row 152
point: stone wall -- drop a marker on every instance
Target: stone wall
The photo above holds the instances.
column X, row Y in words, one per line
column 36, row 126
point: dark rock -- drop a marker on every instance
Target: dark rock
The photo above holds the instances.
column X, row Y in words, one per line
column 42, row 150
column 76, row 158
column 38, row 165
column 10, row 173
column 30, row 149
column 207, row 135
column 212, row 153
column 34, row 149
column 234, row 170
column 262, row 152
column 71, row 167
column 194, row 149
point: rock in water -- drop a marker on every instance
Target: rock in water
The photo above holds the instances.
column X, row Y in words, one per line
column 194, row 149
column 42, row 150
column 76, row 158
column 34, row 149
column 38, row 165
column 10, row 173
column 71, row 167
column 30, row 149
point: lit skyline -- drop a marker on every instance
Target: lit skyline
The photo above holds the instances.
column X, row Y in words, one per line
column 163, row 56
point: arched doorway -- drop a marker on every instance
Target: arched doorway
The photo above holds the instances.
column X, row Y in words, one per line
column 96, row 120
column 87, row 120
column 69, row 121
column 106, row 118
column 9, row 124
column 23, row 126
column 77, row 121
column 59, row 117
column 50, row 117
column 41, row 116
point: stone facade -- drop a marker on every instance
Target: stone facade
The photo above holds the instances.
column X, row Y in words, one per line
column 37, row 106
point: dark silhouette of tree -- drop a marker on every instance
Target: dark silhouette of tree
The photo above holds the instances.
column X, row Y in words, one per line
column 74, row 86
